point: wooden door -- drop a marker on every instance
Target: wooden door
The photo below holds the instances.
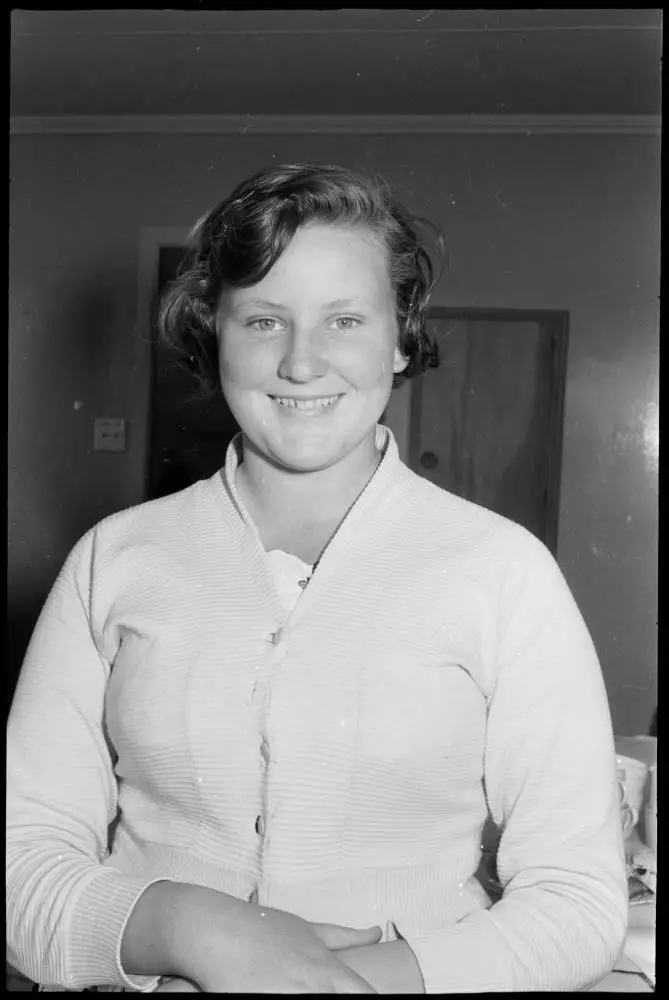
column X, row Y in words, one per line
column 486, row 423
column 188, row 438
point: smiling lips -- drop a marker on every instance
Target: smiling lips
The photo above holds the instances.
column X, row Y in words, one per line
column 306, row 405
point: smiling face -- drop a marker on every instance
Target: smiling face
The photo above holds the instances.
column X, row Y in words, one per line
column 307, row 355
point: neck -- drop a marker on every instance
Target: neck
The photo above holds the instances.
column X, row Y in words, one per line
column 271, row 492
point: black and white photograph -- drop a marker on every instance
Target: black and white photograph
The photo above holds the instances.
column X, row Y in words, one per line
column 333, row 461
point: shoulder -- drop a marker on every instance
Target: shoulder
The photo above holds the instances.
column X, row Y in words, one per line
column 174, row 521
column 450, row 520
column 495, row 561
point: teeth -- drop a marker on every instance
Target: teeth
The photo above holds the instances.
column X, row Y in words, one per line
column 306, row 404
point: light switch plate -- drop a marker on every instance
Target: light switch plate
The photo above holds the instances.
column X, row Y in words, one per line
column 109, row 434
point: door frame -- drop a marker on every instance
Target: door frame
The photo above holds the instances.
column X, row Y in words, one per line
column 555, row 322
column 151, row 240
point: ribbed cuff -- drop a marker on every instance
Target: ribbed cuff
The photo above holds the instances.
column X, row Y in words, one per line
column 458, row 960
column 96, row 932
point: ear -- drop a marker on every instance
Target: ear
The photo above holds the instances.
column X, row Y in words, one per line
column 399, row 361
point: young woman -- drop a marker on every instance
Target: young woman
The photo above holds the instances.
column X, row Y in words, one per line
column 298, row 689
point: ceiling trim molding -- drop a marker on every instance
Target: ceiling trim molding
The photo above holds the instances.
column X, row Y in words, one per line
column 464, row 29
column 336, row 124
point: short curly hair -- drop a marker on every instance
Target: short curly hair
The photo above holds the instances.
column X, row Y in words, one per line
column 239, row 240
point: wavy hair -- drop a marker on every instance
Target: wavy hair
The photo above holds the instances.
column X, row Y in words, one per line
column 239, row 240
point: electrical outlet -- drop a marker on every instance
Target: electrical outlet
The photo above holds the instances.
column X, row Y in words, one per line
column 109, row 434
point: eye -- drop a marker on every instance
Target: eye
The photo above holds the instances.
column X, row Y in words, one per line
column 265, row 324
column 346, row 322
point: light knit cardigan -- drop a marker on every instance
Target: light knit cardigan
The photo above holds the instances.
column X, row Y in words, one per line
column 338, row 763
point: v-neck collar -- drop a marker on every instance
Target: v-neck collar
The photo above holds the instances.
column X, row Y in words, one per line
column 346, row 537
column 381, row 478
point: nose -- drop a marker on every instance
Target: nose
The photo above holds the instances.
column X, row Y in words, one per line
column 303, row 357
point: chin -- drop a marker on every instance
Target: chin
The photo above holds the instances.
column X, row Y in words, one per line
column 304, row 461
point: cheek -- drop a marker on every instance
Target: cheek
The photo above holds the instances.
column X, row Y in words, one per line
column 374, row 364
column 224, row 368
column 241, row 367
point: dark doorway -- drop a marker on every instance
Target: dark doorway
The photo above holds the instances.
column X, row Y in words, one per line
column 188, row 438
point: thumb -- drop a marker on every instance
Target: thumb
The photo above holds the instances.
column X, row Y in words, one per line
column 174, row 984
column 336, row 938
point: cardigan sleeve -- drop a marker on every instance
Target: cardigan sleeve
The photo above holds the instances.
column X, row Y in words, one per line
column 66, row 911
column 549, row 775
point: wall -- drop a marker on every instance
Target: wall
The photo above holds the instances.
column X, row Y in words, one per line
column 546, row 222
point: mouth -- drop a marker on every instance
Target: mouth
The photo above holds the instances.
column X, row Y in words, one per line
column 317, row 404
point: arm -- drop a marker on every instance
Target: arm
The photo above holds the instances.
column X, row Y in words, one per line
column 215, row 943
column 72, row 922
column 65, row 911
column 390, row 967
column 549, row 771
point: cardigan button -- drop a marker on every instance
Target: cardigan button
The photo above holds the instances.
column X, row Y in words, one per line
column 276, row 637
column 260, row 826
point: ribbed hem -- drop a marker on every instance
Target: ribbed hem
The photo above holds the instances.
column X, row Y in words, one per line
column 96, row 932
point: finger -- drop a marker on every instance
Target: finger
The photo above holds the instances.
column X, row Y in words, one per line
column 337, row 938
column 175, row 984
column 354, row 984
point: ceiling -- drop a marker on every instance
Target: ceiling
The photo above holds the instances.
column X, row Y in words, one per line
column 336, row 62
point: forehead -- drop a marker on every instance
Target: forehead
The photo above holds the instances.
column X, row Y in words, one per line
column 349, row 257
column 337, row 236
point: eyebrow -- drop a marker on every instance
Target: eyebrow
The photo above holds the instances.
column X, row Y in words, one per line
column 263, row 304
column 341, row 303
column 260, row 303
